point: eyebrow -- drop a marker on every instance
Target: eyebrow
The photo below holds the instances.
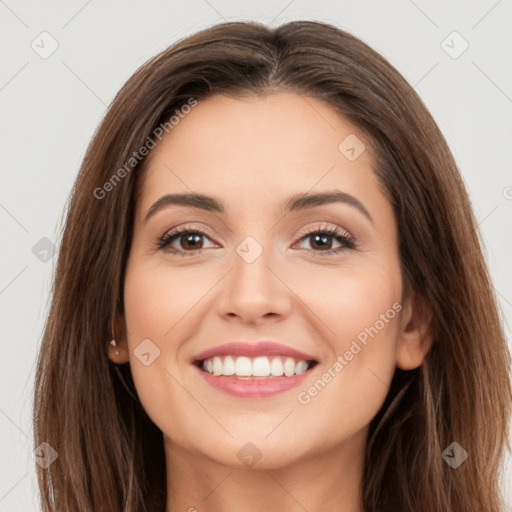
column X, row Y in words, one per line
column 294, row 203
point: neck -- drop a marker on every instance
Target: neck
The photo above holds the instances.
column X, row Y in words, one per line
column 330, row 480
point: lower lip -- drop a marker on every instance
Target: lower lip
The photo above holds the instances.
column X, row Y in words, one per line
column 253, row 388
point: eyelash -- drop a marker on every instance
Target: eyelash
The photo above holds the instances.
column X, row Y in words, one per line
column 340, row 235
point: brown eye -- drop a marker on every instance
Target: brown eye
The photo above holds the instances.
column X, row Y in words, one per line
column 183, row 241
column 191, row 241
column 321, row 240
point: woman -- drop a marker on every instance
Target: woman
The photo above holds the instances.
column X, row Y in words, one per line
column 271, row 294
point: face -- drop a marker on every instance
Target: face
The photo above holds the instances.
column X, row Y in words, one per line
column 321, row 278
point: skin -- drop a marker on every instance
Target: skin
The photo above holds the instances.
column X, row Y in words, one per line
column 253, row 152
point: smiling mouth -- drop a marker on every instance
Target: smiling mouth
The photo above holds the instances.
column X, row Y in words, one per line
column 254, row 368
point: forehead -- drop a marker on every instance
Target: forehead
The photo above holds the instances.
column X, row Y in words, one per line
column 256, row 149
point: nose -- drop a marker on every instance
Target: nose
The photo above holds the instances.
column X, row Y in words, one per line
column 253, row 292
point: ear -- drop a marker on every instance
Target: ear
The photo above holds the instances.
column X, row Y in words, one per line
column 121, row 345
column 416, row 333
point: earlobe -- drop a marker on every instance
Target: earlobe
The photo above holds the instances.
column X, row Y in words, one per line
column 118, row 347
column 416, row 334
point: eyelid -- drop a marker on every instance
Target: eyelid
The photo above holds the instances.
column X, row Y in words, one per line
column 163, row 243
column 325, row 227
column 190, row 227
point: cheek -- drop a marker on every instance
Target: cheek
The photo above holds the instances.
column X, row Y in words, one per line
column 362, row 312
column 156, row 308
column 156, row 300
column 351, row 300
column 363, row 309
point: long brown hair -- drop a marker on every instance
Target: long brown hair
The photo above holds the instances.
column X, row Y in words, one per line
column 110, row 454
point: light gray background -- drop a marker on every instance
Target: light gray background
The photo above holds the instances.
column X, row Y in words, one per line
column 50, row 108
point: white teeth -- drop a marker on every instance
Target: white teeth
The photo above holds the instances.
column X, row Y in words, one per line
column 243, row 366
column 276, row 367
column 261, row 367
column 289, row 367
column 301, row 367
column 258, row 367
column 217, row 366
column 229, row 366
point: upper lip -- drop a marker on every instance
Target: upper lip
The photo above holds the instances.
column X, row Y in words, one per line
column 262, row 348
